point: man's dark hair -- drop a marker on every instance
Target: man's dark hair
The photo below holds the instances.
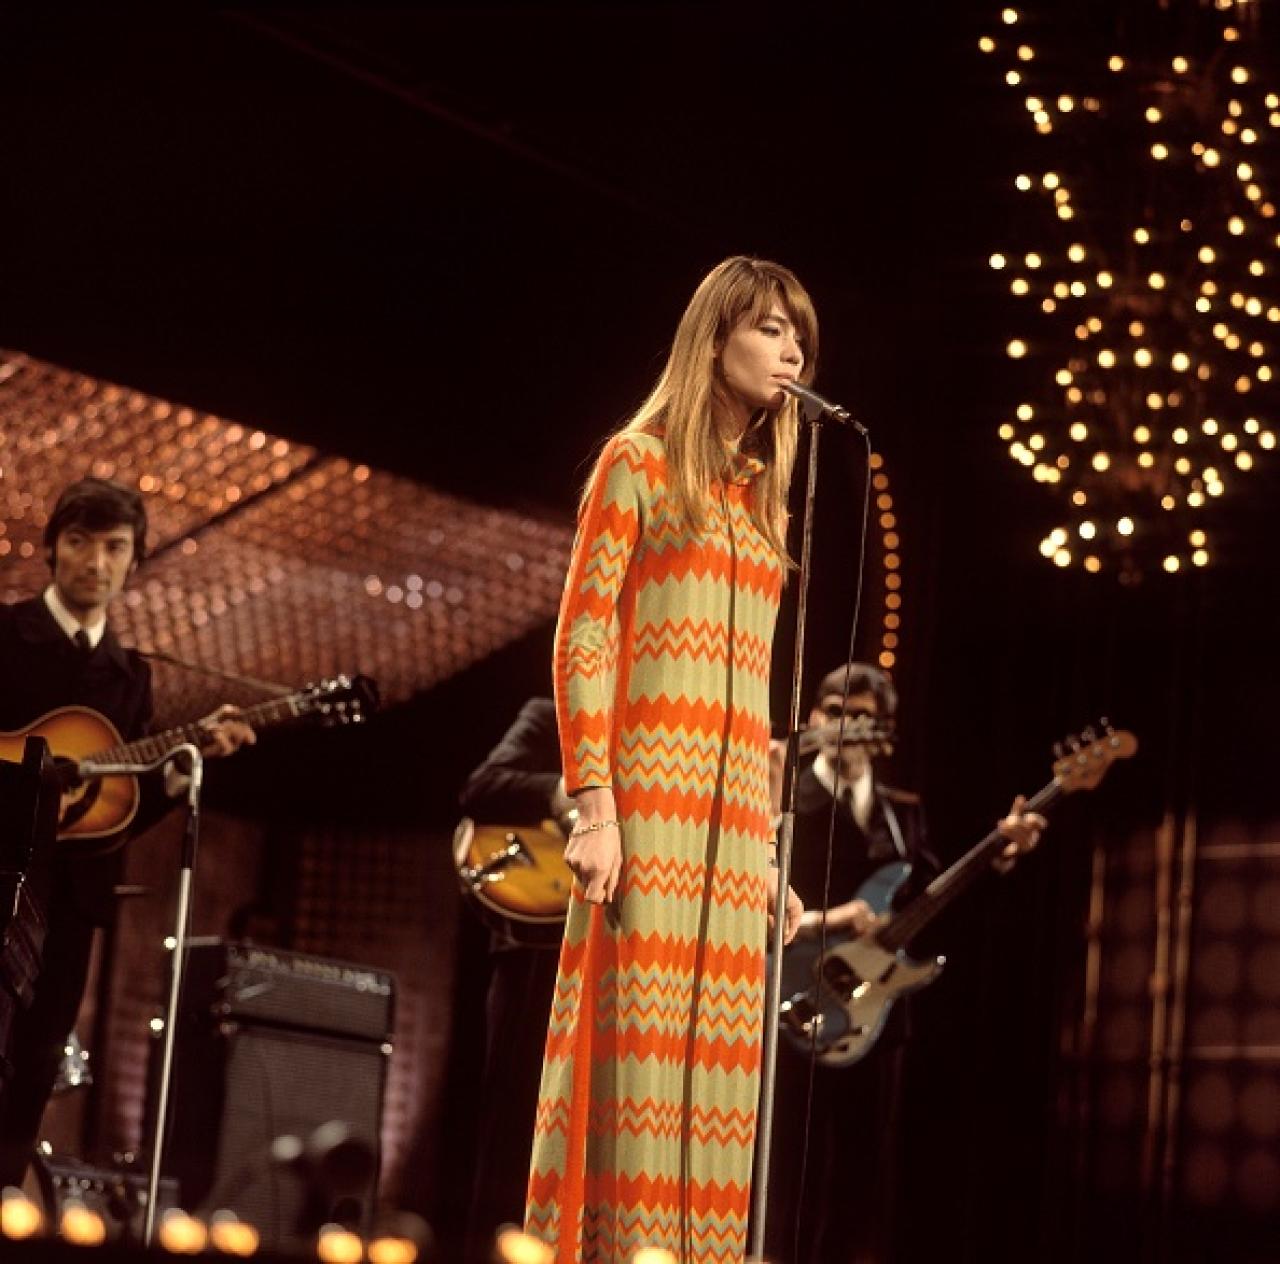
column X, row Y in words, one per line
column 98, row 504
column 862, row 678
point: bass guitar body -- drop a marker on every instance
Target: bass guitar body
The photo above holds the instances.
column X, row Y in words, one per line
column 835, row 1004
column 90, row 809
column 517, row 876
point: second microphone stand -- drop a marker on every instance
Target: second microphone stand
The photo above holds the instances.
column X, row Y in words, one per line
column 814, row 410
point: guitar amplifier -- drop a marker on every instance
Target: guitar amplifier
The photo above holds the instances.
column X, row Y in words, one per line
column 272, row 1044
column 119, row 1196
column 245, row 983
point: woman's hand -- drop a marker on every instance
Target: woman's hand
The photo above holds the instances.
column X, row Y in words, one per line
column 777, row 774
column 795, row 908
column 594, row 850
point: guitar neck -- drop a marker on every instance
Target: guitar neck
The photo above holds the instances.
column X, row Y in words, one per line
column 148, row 749
column 904, row 926
column 877, row 737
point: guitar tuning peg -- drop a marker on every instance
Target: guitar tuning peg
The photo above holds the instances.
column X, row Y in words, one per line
column 1058, row 751
column 1073, row 744
column 1088, row 737
column 1105, row 725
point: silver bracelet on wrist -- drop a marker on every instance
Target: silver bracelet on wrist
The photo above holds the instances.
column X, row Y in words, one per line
column 591, row 829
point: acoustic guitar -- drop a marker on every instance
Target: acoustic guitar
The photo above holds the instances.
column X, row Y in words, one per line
column 101, row 808
column 517, row 876
column 835, row 1003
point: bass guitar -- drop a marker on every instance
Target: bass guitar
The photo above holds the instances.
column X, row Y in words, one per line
column 99, row 809
column 835, row 1002
column 517, row 876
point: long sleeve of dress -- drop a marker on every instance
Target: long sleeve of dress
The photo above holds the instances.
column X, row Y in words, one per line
column 588, row 633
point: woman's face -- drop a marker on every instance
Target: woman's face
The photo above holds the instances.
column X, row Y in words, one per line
column 757, row 357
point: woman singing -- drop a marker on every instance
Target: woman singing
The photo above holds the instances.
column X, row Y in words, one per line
column 647, row 1112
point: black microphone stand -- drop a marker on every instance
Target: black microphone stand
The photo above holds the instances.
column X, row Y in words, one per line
column 813, row 410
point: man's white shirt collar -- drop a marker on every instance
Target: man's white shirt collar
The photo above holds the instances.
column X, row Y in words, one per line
column 68, row 622
column 861, row 791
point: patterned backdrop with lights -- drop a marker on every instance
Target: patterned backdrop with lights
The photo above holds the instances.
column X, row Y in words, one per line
column 268, row 558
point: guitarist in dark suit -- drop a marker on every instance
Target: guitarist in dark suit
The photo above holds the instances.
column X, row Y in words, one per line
column 519, row 780
column 845, row 1211
column 57, row 650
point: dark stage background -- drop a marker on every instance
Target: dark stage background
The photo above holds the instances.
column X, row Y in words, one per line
column 451, row 243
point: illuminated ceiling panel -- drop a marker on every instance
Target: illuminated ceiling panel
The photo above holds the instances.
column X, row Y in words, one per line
column 269, row 559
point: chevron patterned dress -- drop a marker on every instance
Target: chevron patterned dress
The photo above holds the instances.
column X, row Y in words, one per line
column 647, row 1113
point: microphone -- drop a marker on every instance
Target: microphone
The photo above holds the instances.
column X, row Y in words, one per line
column 87, row 770
column 815, row 408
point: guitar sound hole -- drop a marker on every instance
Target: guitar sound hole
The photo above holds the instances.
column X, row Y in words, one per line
column 78, row 797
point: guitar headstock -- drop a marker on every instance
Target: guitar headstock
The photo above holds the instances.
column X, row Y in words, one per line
column 339, row 700
column 1082, row 761
column 876, row 733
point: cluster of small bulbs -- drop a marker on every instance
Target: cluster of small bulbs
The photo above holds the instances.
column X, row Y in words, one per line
column 1156, row 305
column 513, row 1246
column 178, row 1233
column 891, row 560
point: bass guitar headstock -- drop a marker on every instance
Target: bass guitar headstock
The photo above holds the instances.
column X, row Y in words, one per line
column 339, row 700
column 1081, row 762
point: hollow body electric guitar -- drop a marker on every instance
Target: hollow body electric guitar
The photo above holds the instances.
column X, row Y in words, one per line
column 835, row 1003
column 95, row 812
column 517, row 876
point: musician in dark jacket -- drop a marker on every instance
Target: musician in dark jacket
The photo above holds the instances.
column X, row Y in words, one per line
column 519, row 782
column 57, row 650
column 847, row 1207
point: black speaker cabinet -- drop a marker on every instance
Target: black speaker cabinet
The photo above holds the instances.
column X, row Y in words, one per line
column 248, row 1073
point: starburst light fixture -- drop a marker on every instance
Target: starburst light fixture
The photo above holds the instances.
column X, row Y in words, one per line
column 1145, row 252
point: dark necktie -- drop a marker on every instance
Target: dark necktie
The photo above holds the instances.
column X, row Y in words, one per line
column 83, row 643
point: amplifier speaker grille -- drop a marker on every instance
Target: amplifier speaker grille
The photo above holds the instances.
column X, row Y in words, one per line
column 242, row 1082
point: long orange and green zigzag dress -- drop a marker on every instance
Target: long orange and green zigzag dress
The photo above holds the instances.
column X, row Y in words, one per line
column 647, row 1112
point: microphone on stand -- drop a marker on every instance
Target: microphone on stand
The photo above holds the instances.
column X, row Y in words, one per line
column 816, row 408
column 88, row 770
